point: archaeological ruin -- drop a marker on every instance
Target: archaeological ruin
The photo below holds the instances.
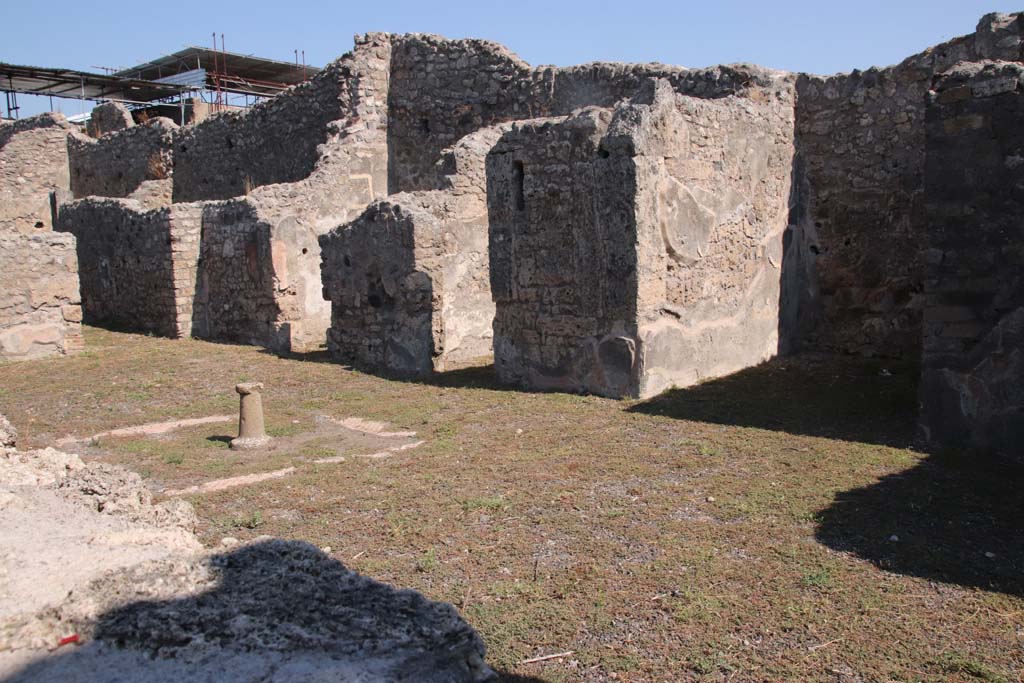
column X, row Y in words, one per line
column 613, row 229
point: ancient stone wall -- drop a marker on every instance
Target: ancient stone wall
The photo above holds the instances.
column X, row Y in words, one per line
column 408, row 279
column 972, row 387
column 442, row 90
column 33, row 163
column 136, row 265
column 258, row 279
column 859, row 223
column 641, row 249
column 280, row 140
column 40, row 313
column 120, row 164
column 108, row 117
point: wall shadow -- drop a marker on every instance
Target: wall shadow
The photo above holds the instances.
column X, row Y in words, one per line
column 472, row 377
column 279, row 609
column 831, row 396
column 234, row 298
column 956, row 518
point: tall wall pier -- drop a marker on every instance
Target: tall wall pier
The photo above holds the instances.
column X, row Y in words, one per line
column 408, row 279
column 640, row 248
column 972, row 385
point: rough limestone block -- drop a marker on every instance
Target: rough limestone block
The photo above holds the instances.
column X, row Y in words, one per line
column 40, row 314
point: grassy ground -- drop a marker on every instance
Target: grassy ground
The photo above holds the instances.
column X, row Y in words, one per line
column 771, row 526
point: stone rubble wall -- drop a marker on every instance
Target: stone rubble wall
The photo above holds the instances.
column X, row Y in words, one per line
column 562, row 260
column 972, row 386
column 137, row 265
column 135, row 162
column 859, row 225
column 33, row 164
column 284, row 139
column 637, row 249
column 258, row 279
column 40, row 313
column 712, row 209
column 108, row 117
column 442, row 90
column 408, row 279
column 277, row 303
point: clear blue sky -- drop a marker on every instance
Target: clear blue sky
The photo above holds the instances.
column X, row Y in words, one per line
column 818, row 36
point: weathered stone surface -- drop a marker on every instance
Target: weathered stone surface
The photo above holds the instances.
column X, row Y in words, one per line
column 637, row 249
column 442, row 90
column 408, row 279
column 8, row 434
column 33, row 163
column 137, row 267
column 108, row 117
column 40, row 313
column 972, row 386
column 286, row 139
column 84, row 551
column 132, row 162
column 858, row 226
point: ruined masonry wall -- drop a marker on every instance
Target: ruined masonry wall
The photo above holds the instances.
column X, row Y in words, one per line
column 40, row 313
column 108, row 118
column 408, row 279
column 258, row 280
column 639, row 250
column 563, row 261
column 973, row 364
column 121, row 163
column 859, row 216
column 33, row 163
column 136, row 266
column 279, row 140
column 442, row 90
column 712, row 209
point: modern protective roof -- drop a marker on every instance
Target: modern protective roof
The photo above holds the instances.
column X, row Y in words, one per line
column 193, row 68
column 236, row 72
column 38, row 80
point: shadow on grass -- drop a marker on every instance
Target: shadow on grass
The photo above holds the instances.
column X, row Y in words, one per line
column 481, row 376
column 837, row 397
column 956, row 518
column 220, row 438
column 275, row 610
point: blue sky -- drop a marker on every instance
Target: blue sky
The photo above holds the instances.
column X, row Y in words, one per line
column 817, row 36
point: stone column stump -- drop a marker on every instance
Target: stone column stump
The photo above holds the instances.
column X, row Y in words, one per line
column 251, row 431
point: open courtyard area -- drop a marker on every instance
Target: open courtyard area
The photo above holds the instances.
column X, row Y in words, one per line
column 774, row 525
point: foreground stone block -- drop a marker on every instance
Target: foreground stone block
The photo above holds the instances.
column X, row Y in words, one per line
column 408, row 280
column 33, row 164
column 972, row 384
column 40, row 314
column 137, row 266
column 638, row 249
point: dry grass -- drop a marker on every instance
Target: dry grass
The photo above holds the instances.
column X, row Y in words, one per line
column 737, row 531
